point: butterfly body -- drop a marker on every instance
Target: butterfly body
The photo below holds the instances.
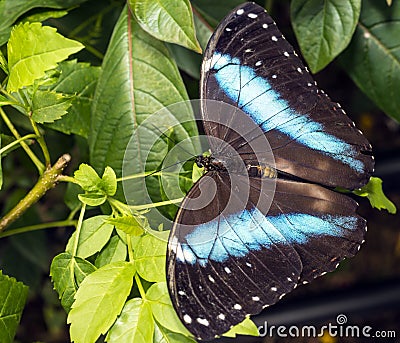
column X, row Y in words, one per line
column 244, row 236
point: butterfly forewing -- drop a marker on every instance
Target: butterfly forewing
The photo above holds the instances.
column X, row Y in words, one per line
column 249, row 64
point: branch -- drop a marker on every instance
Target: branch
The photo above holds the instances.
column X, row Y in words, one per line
column 47, row 181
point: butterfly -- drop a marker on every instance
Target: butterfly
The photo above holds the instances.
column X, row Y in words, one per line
column 267, row 224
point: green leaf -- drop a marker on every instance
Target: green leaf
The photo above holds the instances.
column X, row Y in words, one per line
column 135, row 324
column 99, row 300
column 197, row 173
column 67, row 272
column 3, row 63
column 324, row 28
column 94, row 235
column 42, row 16
column 169, row 21
column 129, row 224
column 115, row 250
column 87, row 178
column 246, row 327
column 92, row 199
column 96, row 189
column 149, row 258
column 109, row 181
column 163, row 310
column 188, row 60
column 49, row 106
column 373, row 58
column 139, row 78
column 163, row 335
column 373, row 191
column 33, row 49
column 11, row 10
column 13, row 296
column 77, row 80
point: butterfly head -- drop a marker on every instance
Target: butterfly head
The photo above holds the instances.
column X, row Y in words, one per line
column 210, row 163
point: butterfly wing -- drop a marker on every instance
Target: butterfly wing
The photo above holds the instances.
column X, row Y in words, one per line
column 249, row 64
column 223, row 265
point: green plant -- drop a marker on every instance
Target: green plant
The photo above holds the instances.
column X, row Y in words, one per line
column 111, row 274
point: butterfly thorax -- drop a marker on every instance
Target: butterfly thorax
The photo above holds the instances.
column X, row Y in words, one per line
column 212, row 163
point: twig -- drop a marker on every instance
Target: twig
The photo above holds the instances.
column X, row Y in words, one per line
column 47, row 181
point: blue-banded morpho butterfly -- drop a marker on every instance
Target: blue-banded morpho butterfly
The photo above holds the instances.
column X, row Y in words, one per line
column 236, row 255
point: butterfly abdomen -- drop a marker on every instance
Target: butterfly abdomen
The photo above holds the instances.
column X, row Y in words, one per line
column 262, row 171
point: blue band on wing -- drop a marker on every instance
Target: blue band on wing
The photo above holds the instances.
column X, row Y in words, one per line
column 237, row 234
column 255, row 96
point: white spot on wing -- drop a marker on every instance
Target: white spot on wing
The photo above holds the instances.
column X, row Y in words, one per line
column 207, row 65
column 237, row 307
column 187, row 319
column 221, row 316
column 274, row 38
column 274, row 289
column 211, row 278
column 181, row 293
column 240, row 12
column 227, row 270
column 203, row 321
column 248, row 264
column 274, row 76
column 258, row 63
column 286, row 54
column 255, row 298
column 228, row 29
column 252, row 15
column 265, row 26
column 299, row 70
column 179, row 253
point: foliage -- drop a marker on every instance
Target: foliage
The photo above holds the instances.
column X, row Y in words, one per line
column 111, row 277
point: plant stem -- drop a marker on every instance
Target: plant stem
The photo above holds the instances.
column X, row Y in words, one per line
column 156, row 204
column 66, row 178
column 140, row 286
column 41, row 142
column 39, row 165
column 47, row 181
column 38, row 227
column 17, row 141
column 119, row 206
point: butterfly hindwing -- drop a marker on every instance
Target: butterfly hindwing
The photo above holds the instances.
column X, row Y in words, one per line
column 221, row 269
column 249, row 64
